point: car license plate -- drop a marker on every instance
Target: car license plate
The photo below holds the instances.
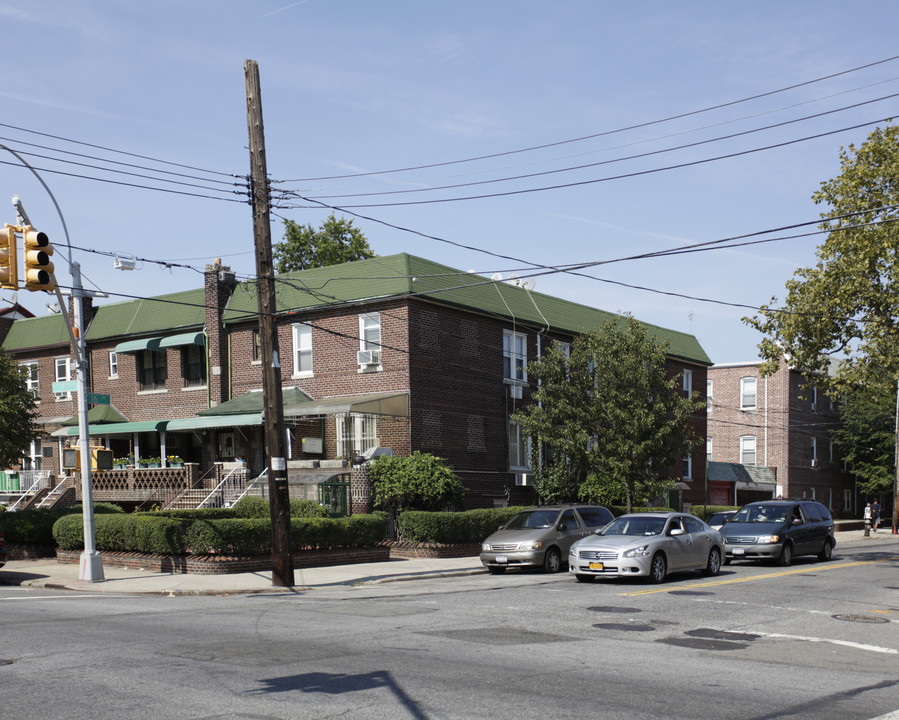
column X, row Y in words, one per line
column 502, row 559
column 739, row 551
column 595, row 566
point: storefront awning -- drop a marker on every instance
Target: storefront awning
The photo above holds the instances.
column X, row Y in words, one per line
column 395, row 404
column 194, row 338
column 136, row 346
column 115, row 428
column 178, row 425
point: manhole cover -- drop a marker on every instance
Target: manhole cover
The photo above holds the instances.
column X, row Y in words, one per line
column 624, row 626
column 720, row 634
column 860, row 618
column 614, row 609
column 690, row 592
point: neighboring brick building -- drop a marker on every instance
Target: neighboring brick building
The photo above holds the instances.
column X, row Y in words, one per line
column 780, row 422
column 395, row 352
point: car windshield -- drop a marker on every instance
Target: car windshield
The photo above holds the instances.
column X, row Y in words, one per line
column 533, row 519
column 718, row 518
column 761, row 514
column 635, row 526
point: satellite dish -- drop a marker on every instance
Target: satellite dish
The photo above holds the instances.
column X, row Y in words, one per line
column 528, row 283
column 496, row 277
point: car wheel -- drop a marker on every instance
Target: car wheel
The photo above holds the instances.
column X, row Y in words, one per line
column 585, row 578
column 786, row 556
column 552, row 563
column 658, row 569
column 826, row 551
column 713, row 566
column 493, row 570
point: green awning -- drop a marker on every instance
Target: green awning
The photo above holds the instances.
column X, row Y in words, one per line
column 252, row 402
column 116, row 428
column 99, row 414
column 205, row 423
column 136, row 346
column 194, row 338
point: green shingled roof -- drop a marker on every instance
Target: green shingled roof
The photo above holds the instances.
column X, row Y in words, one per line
column 406, row 275
column 161, row 314
column 28, row 333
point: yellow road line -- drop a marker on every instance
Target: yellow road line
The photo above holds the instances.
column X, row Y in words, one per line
column 729, row 581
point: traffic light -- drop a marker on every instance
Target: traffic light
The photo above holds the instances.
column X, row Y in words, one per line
column 9, row 265
column 38, row 268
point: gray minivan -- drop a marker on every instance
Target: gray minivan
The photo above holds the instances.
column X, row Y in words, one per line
column 541, row 536
column 779, row 530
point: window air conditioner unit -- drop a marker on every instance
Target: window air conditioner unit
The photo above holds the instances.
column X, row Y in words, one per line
column 368, row 357
column 515, row 392
column 522, row 479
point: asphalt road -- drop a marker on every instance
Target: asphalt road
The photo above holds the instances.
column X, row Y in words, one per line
column 816, row 640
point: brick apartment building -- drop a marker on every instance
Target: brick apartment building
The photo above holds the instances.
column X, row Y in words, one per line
column 771, row 437
column 396, row 352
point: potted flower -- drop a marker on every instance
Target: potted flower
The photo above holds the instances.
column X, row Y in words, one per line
column 174, row 461
column 121, row 463
column 149, row 462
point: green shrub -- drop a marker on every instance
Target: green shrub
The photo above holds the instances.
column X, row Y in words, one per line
column 257, row 507
column 68, row 532
column 470, row 526
column 196, row 513
column 307, row 508
column 29, row 527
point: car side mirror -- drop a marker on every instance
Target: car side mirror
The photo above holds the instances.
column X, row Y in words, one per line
column 676, row 531
column 562, row 527
column 797, row 521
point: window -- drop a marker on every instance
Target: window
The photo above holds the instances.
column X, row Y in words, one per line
column 31, row 378
column 356, row 433
column 708, row 449
column 565, row 349
column 63, row 373
column 302, row 349
column 515, row 356
column 519, row 446
column 747, row 393
column 193, row 359
column 257, row 346
column 814, row 452
column 688, row 467
column 151, row 370
column 814, row 398
column 747, row 450
column 708, row 394
column 113, row 364
column 687, row 383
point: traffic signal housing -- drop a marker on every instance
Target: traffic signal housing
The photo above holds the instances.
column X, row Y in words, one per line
column 38, row 268
column 9, row 264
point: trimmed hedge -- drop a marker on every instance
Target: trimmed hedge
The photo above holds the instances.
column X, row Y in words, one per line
column 35, row 525
column 256, row 507
column 160, row 535
column 469, row 526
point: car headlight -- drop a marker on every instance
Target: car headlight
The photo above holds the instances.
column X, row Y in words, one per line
column 485, row 547
column 641, row 551
column 532, row 545
column 765, row 539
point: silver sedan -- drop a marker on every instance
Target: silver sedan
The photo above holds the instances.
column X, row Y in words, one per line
column 649, row 545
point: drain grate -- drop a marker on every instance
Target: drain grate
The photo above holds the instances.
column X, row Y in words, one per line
column 860, row 618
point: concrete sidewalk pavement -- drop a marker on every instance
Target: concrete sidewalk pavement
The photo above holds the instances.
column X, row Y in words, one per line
column 47, row 573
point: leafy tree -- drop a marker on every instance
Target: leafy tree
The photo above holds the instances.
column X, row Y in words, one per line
column 18, row 411
column 608, row 420
column 846, row 307
column 867, row 435
column 420, row 481
column 335, row 242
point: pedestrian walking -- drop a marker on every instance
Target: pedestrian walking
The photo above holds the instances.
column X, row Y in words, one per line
column 875, row 515
column 867, row 517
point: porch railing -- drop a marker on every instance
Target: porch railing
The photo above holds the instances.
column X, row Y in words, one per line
column 54, row 493
column 231, row 486
column 259, row 482
column 35, row 481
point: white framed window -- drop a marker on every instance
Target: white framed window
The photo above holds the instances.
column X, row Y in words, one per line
column 356, row 433
column 63, row 373
column 369, row 339
column 302, row 350
column 32, row 378
column 565, row 348
column 708, row 449
column 814, row 398
column 519, row 448
column 748, row 393
column 113, row 364
column 813, row 452
column 747, row 450
column 515, row 356
column 688, row 467
column 687, row 383
column 709, row 394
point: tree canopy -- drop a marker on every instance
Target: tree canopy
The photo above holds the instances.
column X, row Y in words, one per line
column 18, row 411
column 606, row 421
column 335, row 242
column 846, row 307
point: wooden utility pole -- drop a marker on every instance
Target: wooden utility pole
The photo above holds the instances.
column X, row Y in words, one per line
column 279, row 499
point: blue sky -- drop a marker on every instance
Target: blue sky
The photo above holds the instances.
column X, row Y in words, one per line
column 361, row 88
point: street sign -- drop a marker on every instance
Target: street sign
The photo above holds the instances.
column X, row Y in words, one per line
column 62, row 386
column 97, row 399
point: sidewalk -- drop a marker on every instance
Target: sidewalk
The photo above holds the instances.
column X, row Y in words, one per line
column 47, row 573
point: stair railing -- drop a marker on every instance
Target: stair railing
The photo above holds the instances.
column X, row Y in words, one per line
column 253, row 483
column 53, row 492
column 39, row 481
